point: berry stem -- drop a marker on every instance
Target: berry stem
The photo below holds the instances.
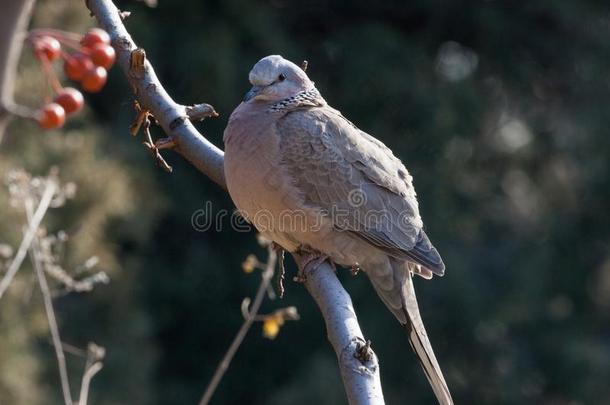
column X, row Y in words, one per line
column 49, row 72
column 69, row 39
column 57, row 34
column 72, row 45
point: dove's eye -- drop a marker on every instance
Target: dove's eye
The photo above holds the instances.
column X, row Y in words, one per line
column 281, row 77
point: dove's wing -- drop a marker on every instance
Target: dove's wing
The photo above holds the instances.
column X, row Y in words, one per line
column 355, row 180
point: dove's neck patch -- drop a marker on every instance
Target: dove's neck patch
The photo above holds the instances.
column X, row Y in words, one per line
column 306, row 98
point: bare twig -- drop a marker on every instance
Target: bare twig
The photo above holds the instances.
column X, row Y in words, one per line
column 14, row 19
column 241, row 334
column 142, row 120
column 48, row 306
column 90, row 372
column 47, row 196
column 45, row 252
column 199, row 112
column 95, row 355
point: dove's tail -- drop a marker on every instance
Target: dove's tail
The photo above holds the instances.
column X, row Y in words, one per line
column 403, row 304
column 421, row 344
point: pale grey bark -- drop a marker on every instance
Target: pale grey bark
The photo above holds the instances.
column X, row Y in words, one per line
column 360, row 375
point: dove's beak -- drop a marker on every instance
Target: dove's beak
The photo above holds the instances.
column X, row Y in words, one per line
column 252, row 93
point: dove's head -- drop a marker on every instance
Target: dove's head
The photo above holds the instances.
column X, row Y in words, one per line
column 274, row 78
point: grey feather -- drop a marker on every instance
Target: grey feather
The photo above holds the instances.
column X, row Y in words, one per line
column 402, row 302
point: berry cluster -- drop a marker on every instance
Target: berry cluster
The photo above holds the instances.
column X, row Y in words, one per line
column 87, row 65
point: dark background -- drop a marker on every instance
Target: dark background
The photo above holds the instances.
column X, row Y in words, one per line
column 498, row 108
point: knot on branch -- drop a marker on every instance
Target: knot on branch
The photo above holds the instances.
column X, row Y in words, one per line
column 176, row 122
column 364, row 352
column 358, row 356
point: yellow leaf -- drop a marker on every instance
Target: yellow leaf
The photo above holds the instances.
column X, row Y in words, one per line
column 271, row 328
column 249, row 264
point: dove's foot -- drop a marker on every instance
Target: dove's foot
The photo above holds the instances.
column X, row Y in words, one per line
column 310, row 259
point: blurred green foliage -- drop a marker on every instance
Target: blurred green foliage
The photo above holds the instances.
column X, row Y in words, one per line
column 498, row 108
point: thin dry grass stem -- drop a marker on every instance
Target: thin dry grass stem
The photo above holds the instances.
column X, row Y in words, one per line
column 95, row 355
column 48, row 306
column 46, row 252
column 30, row 233
column 241, row 334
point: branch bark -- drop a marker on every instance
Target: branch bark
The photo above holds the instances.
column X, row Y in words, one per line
column 172, row 116
column 358, row 364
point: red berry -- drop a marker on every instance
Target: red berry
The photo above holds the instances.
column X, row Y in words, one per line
column 95, row 36
column 75, row 66
column 70, row 99
column 94, row 79
column 51, row 116
column 47, row 47
column 103, row 55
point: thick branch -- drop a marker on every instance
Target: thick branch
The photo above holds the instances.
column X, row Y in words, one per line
column 172, row 117
column 359, row 366
column 14, row 18
column 358, row 363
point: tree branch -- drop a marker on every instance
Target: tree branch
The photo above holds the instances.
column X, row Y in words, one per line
column 13, row 23
column 359, row 366
column 358, row 363
column 172, row 117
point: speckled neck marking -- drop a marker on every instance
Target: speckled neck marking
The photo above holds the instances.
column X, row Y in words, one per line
column 306, row 98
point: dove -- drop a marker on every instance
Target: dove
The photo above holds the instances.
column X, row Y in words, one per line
column 312, row 182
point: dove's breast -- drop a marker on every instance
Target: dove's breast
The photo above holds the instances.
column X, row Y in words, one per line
column 261, row 191
column 266, row 196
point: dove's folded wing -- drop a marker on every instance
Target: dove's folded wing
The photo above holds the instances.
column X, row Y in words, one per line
column 355, row 180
